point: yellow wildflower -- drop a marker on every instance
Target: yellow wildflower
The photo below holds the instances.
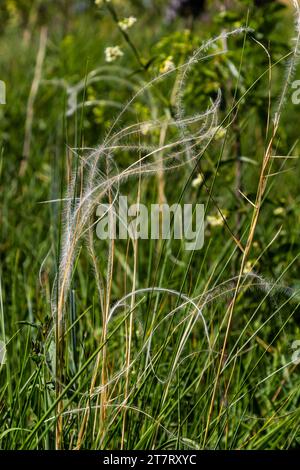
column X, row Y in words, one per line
column 167, row 65
column 197, row 181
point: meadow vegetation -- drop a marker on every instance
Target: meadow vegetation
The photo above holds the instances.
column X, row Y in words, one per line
column 142, row 344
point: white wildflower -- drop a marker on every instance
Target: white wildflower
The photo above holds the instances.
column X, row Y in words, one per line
column 127, row 23
column 279, row 211
column 113, row 53
column 145, row 128
column 216, row 220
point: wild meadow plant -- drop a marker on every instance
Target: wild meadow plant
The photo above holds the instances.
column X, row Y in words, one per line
column 159, row 358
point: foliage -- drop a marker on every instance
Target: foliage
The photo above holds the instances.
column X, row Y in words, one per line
column 101, row 372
